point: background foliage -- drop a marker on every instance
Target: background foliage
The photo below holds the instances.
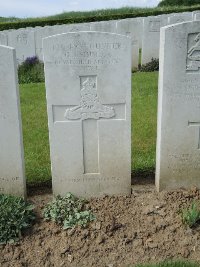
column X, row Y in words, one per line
column 31, row 71
column 178, row 3
column 92, row 16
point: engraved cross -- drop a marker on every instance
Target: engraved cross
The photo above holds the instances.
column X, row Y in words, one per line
column 89, row 112
column 195, row 124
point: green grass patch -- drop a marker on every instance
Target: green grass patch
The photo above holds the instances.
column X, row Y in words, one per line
column 35, row 132
column 171, row 264
column 35, row 129
column 144, row 121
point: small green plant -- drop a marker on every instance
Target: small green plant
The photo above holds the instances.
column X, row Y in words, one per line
column 191, row 216
column 31, row 71
column 68, row 211
column 15, row 216
column 153, row 65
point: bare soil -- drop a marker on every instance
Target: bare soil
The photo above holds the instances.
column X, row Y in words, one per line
column 144, row 227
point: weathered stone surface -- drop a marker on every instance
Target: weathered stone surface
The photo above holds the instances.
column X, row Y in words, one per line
column 3, row 39
column 88, row 83
column 133, row 29
column 151, row 37
column 178, row 137
column 43, row 32
column 179, row 17
column 23, row 41
column 12, row 178
column 196, row 15
column 104, row 26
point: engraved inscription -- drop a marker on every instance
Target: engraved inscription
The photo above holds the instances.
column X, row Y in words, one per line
column 88, row 113
column 184, row 160
column 87, row 55
column 154, row 26
column 90, row 106
column 86, row 178
column 193, row 52
column 190, row 88
column 13, row 179
column 22, row 38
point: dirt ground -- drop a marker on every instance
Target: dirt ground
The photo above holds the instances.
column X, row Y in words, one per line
column 144, row 227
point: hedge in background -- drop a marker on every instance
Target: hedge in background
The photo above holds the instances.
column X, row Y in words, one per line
column 178, row 2
column 153, row 65
column 84, row 17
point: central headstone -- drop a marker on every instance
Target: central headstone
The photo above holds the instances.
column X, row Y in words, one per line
column 88, row 82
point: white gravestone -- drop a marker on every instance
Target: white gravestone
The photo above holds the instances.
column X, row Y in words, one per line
column 151, row 37
column 180, row 17
column 132, row 28
column 178, row 137
column 12, row 178
column 88, row 83
column 3, row 39
column 104, row 26
column 47, row 31
column 196, row 15
column 23, row 40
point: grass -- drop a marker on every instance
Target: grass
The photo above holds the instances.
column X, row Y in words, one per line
column 35, row 132
column 171, row 264
column 35, row 129
column 144, row 110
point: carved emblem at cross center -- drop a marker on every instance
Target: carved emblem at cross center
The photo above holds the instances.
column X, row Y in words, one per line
column 90, row 106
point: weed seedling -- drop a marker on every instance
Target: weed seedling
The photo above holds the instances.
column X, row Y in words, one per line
column 191, row 216
column 68, row 211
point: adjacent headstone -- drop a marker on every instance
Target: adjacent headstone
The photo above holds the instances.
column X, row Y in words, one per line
column 104, row 26
column 88, row 84
column 151, row 37
column 12, row 178
column 140, row 33
column 23, row 40
column 178, row 138
column 3, row 39
column 196, row 15
column 43, row 32
column 132, row 28
column 180, row 17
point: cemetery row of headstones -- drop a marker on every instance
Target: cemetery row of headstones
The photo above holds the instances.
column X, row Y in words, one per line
column 144, row 32
column 88, row 87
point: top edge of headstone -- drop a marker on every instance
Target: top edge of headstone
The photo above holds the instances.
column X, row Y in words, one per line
column 7, row 47
column 88, row 32
column 180, row 24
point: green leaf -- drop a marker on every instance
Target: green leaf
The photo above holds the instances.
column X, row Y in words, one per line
column 68, row 211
